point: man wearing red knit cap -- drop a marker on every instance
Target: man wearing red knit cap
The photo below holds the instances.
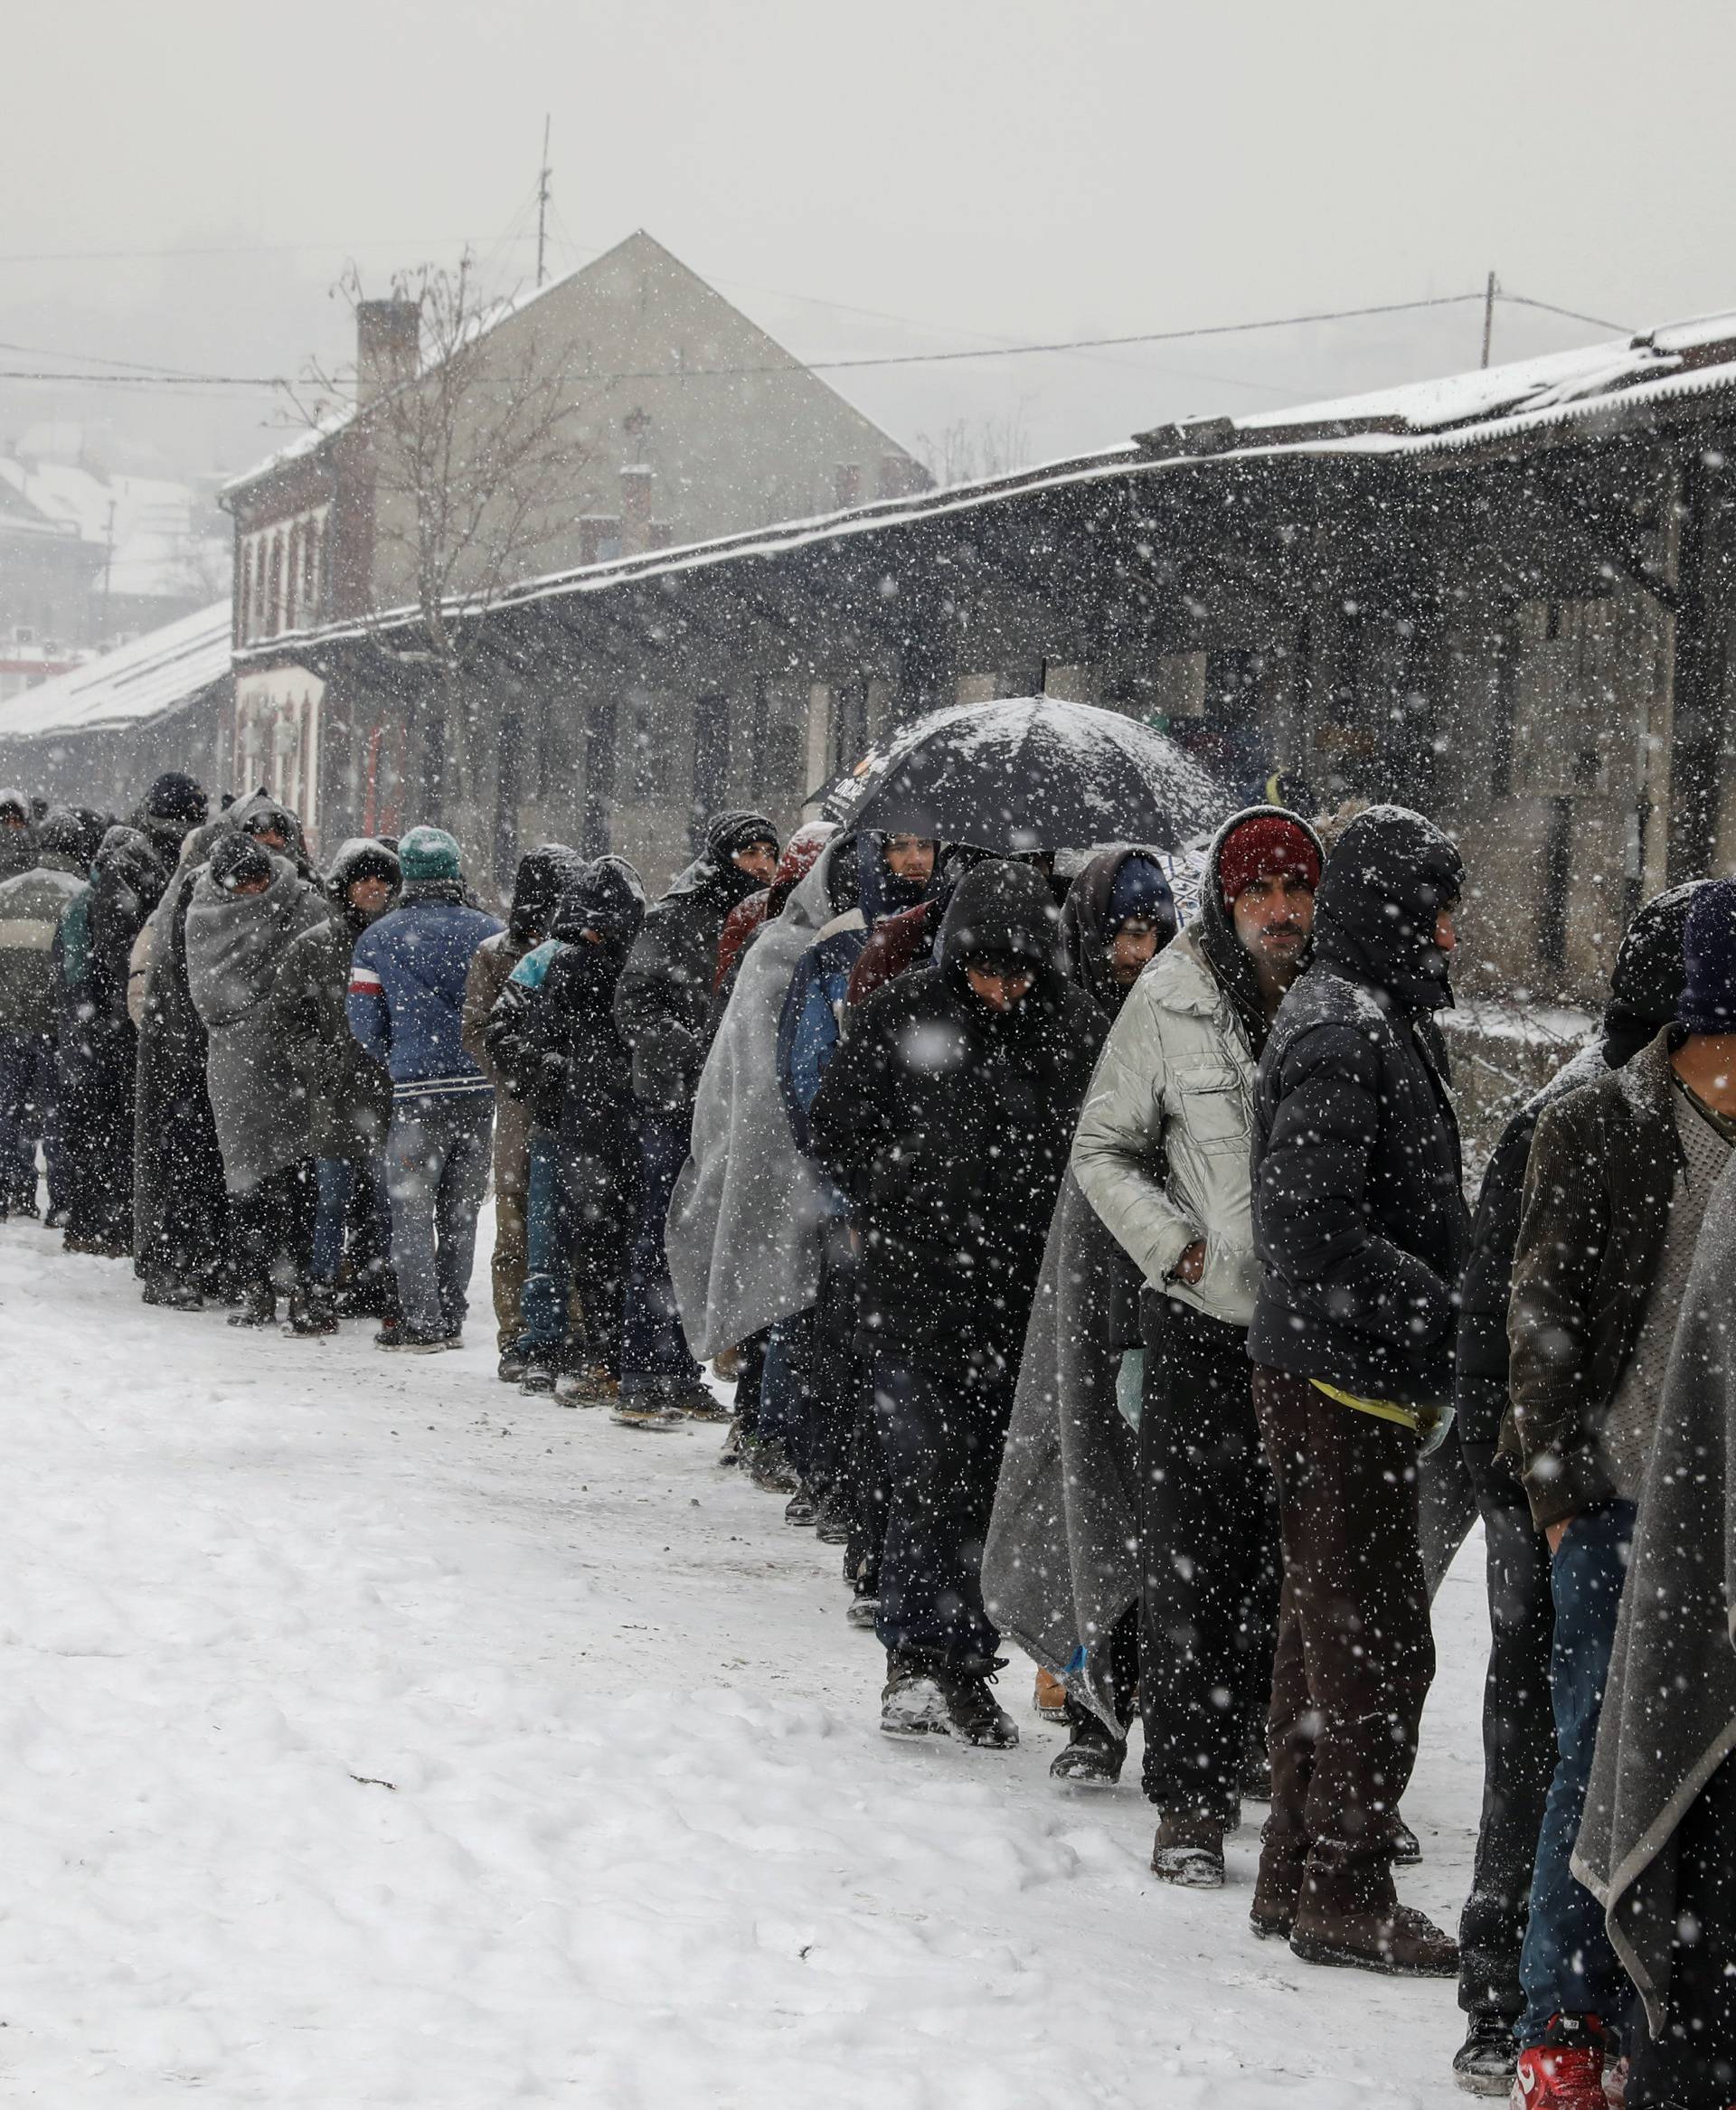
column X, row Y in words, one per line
column 1162, row 1155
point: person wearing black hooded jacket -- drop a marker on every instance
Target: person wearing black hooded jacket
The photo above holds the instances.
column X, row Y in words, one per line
column 661, row 1003
column 946, row 1118
column 97, row 1062
column 1519, row 1746
column 1360, row 1230
column 542, row 878
column 555, row 1044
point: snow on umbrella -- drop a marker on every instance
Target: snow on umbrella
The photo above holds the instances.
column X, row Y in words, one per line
column 1037, row 773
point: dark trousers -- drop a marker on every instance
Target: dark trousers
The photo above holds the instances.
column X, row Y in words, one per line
column 577, row 1218
column 273, row 1226
column 1355, row 1655
column 181, row 1211
column 1518, row 1741
column 97, row 1068
column 867, row 1493
column 1209, row 1568
column 26, row 1118
column 1567, row 1966
column 1693, row 2063
column 354, row 1212
column 655, row 1354
column 940, row 1442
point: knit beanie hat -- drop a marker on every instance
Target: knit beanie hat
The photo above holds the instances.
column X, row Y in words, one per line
column 1709, row 954
column 1139, row 888
column 176, row 801
column 429, row 853
column 238, row 861
column 1269, row 847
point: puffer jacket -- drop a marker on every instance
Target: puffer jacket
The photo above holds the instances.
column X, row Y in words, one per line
column 1162, row 1147
column 31, row 904
column 1359, row 1210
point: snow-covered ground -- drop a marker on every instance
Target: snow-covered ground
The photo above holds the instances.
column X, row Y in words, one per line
column 375, row 1736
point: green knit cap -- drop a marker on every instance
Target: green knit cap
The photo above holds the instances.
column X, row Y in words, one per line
column 429, row 853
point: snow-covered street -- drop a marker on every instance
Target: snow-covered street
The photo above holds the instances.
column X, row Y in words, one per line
column 375, row 1736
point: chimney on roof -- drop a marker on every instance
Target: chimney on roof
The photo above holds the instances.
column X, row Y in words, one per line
column 388, row 346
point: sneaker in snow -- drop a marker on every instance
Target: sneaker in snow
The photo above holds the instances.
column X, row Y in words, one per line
column 645, row 1410
column 174, row 1294
column 863, row 1609
column 539, row 1377
column 831, row 1524
column 512, row 1364
column 589, row 1387
column 1566, row 2071
column 1485, row 2064
column 401, row 1339
column 1407, row 1847
column 699, row 1405
column 771, row 1470
column 801, row 1508
column 258, row 1308
column 912, row 1703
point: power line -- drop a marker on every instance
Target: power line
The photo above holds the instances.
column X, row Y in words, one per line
column 1572, row 313
column 893, row 358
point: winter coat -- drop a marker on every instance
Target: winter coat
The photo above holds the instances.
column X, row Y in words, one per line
column 807, row 1033
column 408, row 976
column 174, row 1140
column 947, row 1125
column 1596, row 1211
column 132, row 871
column 664, row 993
column 31, row 904
column 744, row 1226
column 236, row 946
column 490, row 967
column 903, row 941
column 552, row 1036
column 1162, row 1150
column 349, row 1096
column 1359, row 1213
column 1668, row 1717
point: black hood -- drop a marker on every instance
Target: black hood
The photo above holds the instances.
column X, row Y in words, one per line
column 1389, row 876
column 1002, row 911
column 1085, row 925
column 17, row 845
column 362, row 857
column 714, row 873
column 606, row 897
column 65, row 834
column 543, row 876
column 1645, row 986
column 1215, row 931
column 259, row 809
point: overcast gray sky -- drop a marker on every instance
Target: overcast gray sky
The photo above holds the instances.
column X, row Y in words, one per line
column 1019, row 169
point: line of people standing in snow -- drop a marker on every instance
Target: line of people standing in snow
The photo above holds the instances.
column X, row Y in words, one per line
column 1089, row 1282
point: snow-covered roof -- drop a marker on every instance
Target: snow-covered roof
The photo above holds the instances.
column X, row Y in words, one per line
column 1458, row 412
column 150, row 677
column 145, row 525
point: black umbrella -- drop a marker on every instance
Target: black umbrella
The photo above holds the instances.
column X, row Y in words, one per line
column 1034, row 773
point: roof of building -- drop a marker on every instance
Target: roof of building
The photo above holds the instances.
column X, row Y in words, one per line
column 149, row 678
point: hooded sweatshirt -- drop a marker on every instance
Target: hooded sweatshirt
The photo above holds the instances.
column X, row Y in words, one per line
column 236, row 946
column 552, row 1036
column 1085, row 919
column 947, row 1125
column 1360, row 1222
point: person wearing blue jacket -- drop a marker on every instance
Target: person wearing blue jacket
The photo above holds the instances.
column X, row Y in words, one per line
column 814, row 1376
column 405, row 1005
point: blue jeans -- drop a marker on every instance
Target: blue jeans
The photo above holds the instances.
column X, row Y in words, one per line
column 26, row 1114
column 940, row 1445
column 1567, row 1966
column 436, row 1167
column 654, row 1355
column 339, row 1179
column 786, row 1388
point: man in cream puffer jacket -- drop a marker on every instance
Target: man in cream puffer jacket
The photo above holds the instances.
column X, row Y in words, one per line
column 1162, row 1155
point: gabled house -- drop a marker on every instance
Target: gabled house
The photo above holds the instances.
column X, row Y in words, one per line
column 680, row 421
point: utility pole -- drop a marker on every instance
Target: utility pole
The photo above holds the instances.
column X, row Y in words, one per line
column 1488, row 317
column 542, row 214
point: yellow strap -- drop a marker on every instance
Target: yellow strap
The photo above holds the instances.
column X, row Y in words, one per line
column 1382, row 1410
